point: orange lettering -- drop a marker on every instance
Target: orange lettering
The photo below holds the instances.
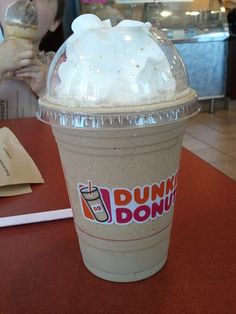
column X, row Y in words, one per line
column 170, row 184
column 122, row 197
column 158, row 190
column 141, row 199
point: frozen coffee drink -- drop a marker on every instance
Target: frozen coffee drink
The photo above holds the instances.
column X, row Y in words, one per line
column 118, row 100
column 21, row 20
column 24, row 32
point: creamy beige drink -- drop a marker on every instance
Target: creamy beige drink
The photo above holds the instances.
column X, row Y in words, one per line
column 26, row 32
column 136, row 173
column 119, row 136
column 21, row 20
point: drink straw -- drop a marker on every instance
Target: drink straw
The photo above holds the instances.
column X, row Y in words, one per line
column 90, row 186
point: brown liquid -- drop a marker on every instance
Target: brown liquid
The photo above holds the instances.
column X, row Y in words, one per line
column 15, row 31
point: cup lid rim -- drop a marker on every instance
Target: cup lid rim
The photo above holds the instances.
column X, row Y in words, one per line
column 118, row 117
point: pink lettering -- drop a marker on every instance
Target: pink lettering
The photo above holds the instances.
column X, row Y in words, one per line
column 157, row 209
column 142, row 213
column 169, row 201
column 123, row 215
column 174, row 197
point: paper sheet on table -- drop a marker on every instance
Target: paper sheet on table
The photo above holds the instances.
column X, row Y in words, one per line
column 17, row 169
column 18, row 189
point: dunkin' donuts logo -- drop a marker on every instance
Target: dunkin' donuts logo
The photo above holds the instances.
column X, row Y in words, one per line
column 123, row 206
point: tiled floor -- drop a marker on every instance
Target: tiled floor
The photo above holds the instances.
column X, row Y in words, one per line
column 212, row 137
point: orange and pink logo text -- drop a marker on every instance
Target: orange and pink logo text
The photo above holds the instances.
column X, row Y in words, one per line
column 123, row 206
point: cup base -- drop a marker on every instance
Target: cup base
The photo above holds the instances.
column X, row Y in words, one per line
column 125, row 261
column 125, row 277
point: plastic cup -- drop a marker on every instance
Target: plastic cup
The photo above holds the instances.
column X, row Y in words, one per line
column 21, row 20
column 16, row 31
column 121, row 169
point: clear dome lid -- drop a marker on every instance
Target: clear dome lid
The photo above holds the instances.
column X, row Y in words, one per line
column 126, row 69
column 22, row 13
column 21, row 20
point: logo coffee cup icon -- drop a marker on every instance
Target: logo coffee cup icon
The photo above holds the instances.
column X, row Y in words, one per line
column 93, row 199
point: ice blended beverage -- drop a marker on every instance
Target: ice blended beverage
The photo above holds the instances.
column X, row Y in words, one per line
column 21, row 20
column 118, row 100
column 26, row 32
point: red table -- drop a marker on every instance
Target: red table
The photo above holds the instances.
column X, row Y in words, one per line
column 41, row 270
column 39, row 142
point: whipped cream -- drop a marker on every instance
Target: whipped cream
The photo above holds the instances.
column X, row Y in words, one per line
column 109, row 66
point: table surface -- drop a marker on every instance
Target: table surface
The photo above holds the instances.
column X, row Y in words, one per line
column 41, row 270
